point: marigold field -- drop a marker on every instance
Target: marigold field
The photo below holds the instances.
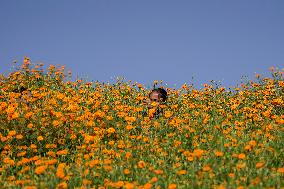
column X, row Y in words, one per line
column 57, row 133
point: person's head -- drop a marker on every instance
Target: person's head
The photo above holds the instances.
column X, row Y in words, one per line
column 19, row 90
column 158, row 95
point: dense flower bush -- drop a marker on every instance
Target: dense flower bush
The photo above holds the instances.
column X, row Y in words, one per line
column 60, row 134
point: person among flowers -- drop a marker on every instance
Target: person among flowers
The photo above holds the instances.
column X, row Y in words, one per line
column 156, row 98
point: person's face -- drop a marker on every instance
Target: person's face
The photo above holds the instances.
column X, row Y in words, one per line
column 154, row 97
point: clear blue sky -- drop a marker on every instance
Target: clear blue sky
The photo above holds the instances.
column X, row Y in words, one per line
column 145, row 40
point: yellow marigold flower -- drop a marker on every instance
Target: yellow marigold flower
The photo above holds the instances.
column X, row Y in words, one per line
column 40, row 169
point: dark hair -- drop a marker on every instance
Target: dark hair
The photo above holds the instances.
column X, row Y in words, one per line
column 162, row 93
column 20, row 89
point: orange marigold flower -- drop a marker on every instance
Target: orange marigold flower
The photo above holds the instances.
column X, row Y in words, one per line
column 128, row 155
column 19, row 137
column 206, row 168
column 232, row 175
column 190, row 158
column 62, row 152
column 168, row 114
column 280, row 170
column 181, row 172
column 94, row 162
column 198, row 152
column 147, row 186
column 129, row 127
column 30, row 187
column 40, row 169
column 242, row 156
column 55, row 123
column 60, row 170
column 154, row 179
column 111, row 130
column 172, row 186
column 141, row 164
column 12, row 133
column 158, row 172
column 39, row 138
column 218, row 153
column 129, row 186
column 126, row 171
column 33, row 146
column 259, row 165
column 62, row 185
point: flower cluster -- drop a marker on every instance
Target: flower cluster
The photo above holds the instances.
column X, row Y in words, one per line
column 55, row 133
